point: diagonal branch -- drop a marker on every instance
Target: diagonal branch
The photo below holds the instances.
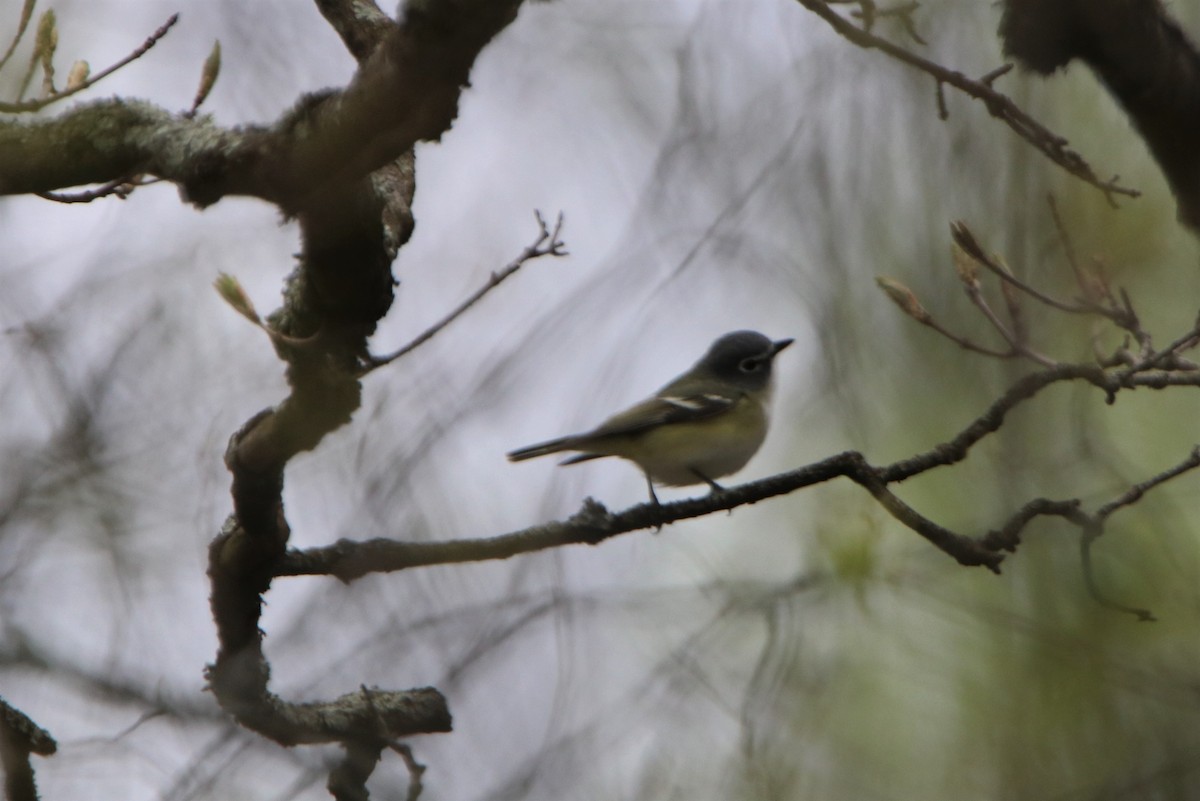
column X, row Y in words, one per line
column 547, row 243
column 999, row 105
column 1093, row 529
column 42, row 102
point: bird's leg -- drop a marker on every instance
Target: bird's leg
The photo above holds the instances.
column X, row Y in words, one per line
column 650, row 486
column 714, row 486
column 653, row 499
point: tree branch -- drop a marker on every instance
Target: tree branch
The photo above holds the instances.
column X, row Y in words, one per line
column 1093, row 528
column 406, row 90
column 360, row 23
column 999, row 105
column 352, row 225
column 547, row 243
column 42, row 102
column 20, row 738
column 593, row 523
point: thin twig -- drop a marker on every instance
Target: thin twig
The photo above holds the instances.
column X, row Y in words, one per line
column 546, row 244
column 34, row 105
column 1167, row 358
column 1135, row 493
column 905, row 13
column 1014, row 340
column 979, row 302
column 120, row 187
column 968, row 254
column 1094, row 529
column 966, row 240
column 1016, row 314
column 416, row 771
column 911, row 305
column 998, row 105
column 34, row 58
column 989, row 78
column 967, row 344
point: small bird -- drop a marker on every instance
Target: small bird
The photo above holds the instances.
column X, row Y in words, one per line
column 704, row 425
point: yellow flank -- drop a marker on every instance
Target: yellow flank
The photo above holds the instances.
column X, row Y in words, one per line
column 712, row 447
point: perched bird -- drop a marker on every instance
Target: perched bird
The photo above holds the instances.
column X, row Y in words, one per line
column 704, row 425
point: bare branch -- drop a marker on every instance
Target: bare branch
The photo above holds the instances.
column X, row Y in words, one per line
column 360, row 23
column 989, row 78
column 348, row 779
column 1016, row 341
column 967, row 344
column 593, row 524
column 327, row 141
column 1008, row 536
column 120, row 188
column 1098, row 300
column 42, row 102
column 1135, row 493
column 1053, row 146
column 416, row 771
column 1123, row 316
column 20, row 737
column 547, row 243
column 911, row 305
column 1093, row 529
column 907, row 300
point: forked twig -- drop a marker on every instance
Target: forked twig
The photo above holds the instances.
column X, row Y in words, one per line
column 40, row 103
column 1093, row 529
column 1148, row 367
column 998, row 105
column 546, row 244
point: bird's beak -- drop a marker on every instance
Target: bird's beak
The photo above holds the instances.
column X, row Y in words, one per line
column 779, row 345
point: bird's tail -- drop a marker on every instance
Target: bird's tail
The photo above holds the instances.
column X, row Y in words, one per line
column 541, row 449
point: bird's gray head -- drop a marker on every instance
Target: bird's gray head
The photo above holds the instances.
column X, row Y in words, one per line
column 743, row 358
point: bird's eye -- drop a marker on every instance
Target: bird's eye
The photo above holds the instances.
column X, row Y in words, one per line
column 750, row 365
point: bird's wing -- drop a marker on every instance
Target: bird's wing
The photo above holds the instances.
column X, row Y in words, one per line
column 662, row 410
